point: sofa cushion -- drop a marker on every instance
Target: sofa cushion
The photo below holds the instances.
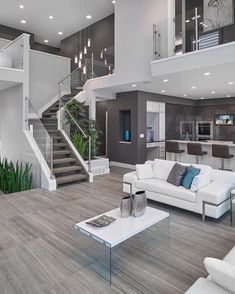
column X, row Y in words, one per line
column 176, row 174
column 144, row 171
column 162, row 187
column 191, row 173
column 203, row 179
column 214, row 192
column 221, row 272
column 230, row 257
column 162, row 168
column 204, row 286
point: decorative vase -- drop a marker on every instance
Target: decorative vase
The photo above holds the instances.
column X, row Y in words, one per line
column 126, row 206
column 139, row 204
column 127, row 135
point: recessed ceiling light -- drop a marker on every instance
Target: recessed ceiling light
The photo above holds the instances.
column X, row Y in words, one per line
column 187, row 21
column 207, row 73
column 51, row 17
column 134, row 85
column 185, row 95
column 202, row 98
column 88, row 16
column 165, row 80
column 228, row 96
column 21, row 6
column 23, row 21
column 46, row 41
column 213, row 92
column 163, row 91
column 60, row 33
column 113, row 1
column 230, row 83
column 193, row 87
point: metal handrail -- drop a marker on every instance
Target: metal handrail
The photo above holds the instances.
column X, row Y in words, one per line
column 76, row 123
column 76, row 69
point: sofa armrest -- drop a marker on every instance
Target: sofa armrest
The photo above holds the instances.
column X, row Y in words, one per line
column 215, row 193
column 205, row 286
column 129, row 180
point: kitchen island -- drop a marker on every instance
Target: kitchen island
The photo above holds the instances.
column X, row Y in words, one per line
column 205, row 159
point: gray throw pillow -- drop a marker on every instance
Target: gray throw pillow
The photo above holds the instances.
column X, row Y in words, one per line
column 177, row 174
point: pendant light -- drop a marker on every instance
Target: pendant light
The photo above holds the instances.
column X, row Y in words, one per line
column 80, row 53
column 85, row 43
column 84, row 70
column 89, row 42
column 89, row 37
column 76, row 50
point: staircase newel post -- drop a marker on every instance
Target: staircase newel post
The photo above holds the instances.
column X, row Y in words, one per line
column 89, row 164
column 52, row 176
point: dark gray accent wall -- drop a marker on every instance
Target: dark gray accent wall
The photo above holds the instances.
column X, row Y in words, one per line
column 117, row 150
column 12, row 33
column 102, row 36
column 101, row 108
column 207, row 109
column 177, row 109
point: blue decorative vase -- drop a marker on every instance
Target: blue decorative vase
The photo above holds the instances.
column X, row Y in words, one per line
column 127, row 135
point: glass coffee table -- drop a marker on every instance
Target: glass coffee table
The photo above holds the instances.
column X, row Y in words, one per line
column 99, row 248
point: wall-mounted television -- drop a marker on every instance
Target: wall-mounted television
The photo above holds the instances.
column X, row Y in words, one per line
column 224, row 119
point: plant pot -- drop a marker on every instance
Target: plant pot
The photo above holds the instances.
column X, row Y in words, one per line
column 126, row 206
column 139, row 204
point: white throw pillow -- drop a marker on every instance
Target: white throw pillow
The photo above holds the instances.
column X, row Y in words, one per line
column 162, row 168
column 221, row 272
column 203, row 179
column 144, row 171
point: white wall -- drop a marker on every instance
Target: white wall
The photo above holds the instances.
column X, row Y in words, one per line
column 14, row 144
column 45, row 71
column 134, row 21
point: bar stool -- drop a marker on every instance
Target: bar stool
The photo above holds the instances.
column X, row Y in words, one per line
column 221, row 151
column 195, row 149
column 173, row 147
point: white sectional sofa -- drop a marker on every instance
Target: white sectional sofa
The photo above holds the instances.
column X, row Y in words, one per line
column 221, row 279
column 210, row 199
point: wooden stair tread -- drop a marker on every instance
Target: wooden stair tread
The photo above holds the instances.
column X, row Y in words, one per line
column 64, row 160
column 61, row 170
column 70, row 178
column 61, row 152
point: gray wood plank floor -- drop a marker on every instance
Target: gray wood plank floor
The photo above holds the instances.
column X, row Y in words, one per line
column 38, row 244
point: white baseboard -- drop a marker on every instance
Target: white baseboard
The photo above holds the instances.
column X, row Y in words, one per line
column 124, row 165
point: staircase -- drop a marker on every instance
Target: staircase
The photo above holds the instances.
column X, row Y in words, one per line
column 66, row 168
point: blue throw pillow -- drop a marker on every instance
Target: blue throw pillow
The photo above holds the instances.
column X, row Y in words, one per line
column 191, row 173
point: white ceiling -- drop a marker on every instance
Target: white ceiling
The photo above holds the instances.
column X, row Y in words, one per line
column 69, row 16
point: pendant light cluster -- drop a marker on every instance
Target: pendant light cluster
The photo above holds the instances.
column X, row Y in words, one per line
column 83, row 42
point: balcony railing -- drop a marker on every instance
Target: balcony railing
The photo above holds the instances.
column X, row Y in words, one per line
column 198, row 28
column 12, row 55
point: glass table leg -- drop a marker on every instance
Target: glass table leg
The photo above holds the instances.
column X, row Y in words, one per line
column 93, row 253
